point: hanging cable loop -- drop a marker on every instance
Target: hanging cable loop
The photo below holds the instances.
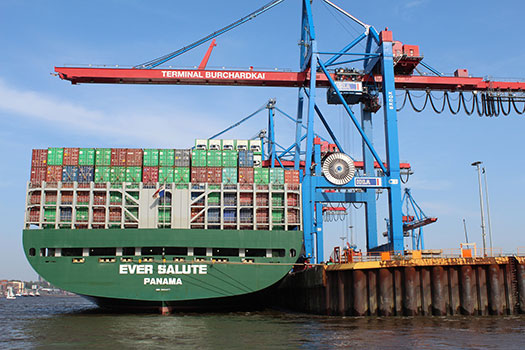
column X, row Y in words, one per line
column 493, row 104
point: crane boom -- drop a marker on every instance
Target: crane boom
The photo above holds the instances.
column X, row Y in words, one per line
column 90, row 75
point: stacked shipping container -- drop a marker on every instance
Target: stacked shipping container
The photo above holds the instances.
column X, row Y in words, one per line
column 228, row 162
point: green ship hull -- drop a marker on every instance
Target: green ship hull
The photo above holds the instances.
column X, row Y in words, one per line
column 152, row 268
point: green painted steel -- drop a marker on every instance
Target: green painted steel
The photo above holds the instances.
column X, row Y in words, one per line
column 55, row 156
column 103, row 156
column 261, row 176
column 229, row 175
column 86, row 156
column 136, row 279
column 133, row 174
column 198, row 158
column 166, row 174
column 229, row 159
column 181, row 175
column 102, row 173
column 214, row 158
column 277, row 176
column 166, row 157
column 150, row 157
column 118, row 174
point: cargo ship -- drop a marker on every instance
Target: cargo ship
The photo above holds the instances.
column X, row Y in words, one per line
column 201, row 228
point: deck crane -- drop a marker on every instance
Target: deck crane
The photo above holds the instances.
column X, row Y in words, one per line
column 385, row 66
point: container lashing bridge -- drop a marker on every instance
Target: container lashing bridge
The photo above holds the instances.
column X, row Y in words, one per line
column 332, row 178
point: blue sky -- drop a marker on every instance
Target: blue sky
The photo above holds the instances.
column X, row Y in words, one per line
column 38, row 110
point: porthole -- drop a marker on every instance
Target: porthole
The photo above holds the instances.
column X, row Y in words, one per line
column 292, row 253
column 32, row 251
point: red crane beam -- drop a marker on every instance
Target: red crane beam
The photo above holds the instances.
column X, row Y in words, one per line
column 81, row 75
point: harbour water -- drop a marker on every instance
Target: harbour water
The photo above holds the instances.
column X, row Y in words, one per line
column 72, row 322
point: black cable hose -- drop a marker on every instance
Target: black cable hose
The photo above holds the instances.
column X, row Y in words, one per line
column 491, row 106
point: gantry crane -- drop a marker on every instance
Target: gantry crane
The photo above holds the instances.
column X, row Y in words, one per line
column 387, row 66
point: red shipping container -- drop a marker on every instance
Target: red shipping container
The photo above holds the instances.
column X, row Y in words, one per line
column 262, row 216
column 66, row 198
column 214, row 175
column 293, row 199
column 35, row 198
column 34, row 214
column 246, row 199
column 83, row 198
column 39, row 158
column 115, row 214
column 99, row 198
column 245, row 175
column 199, row 175
column 99, row 215
column 291, row 176
column 38, row 174
column 133, row 157
column 293, row 216
column 150, row 174
column 51, row 197
column 54, row 173
column 194, row 213
column 70, row 156
column 262, row 199
column 118, row 156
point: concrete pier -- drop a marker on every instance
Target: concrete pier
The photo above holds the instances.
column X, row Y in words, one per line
column 409, row 287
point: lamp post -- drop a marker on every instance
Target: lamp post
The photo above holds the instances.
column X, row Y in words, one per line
column 488, row 209
column 477, row 165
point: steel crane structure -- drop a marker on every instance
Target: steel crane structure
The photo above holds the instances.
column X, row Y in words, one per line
column 385, row 65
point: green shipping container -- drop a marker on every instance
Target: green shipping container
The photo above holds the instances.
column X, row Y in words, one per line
column 166, row 157
column 55, row 156
column 261, row 176
column 82, row 214
column 102, row 174
column 277, row 176
column 50, row 214
column 134, row 174
column 198, row 158
column 134, row 212
column 86, row 156
column 278, row 199
column 151, row 157
column 166, row 174
column 164, row 216
column 229, row 159
column 181, row 175
column 115, row 198
column 214, row 199
column 118, row 174
column 229, row 175
column 214, row 158
column 103, row 156
column 278, row 216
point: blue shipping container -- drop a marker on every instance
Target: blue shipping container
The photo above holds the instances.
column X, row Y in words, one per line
column 69, row 173
column 230, row 216
column 245, row 159
column 214, row 215
column 86, row 173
